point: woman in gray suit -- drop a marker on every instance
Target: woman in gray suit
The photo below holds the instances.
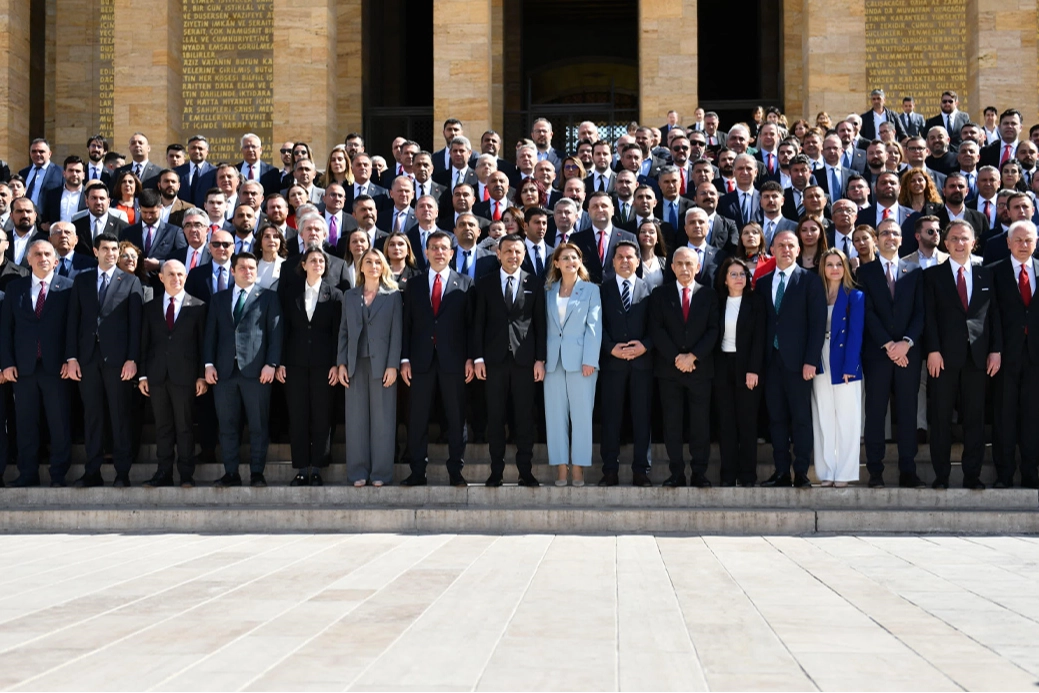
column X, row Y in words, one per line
column 574, row 339
column 369, row 358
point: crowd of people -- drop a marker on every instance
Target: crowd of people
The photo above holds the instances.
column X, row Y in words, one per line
column 815, row 284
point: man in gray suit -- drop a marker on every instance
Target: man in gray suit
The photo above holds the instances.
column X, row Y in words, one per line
column 912, row 122
column 242, row 351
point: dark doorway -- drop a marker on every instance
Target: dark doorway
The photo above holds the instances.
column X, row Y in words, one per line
column 739, row 69
column 553, row 69
column 398, row 73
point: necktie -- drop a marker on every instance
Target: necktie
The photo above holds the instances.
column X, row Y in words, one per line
column 509, row 299
column 905, row 122
column 221, row 280
column 64, row 269
column 421, row 189
column 681, row 187
column 137, row 170
column 602, row 247
column 891, row 278
column 626, row 296
column 239, row 306
column 601, row 187
column 770, row 228
column 1025, row 286
column 435, row 297
column 94, row 174
column 699, row 261
column 97, row 227
column 194, row 175
column 971, row 185
column 988, row 206
column 624, row 211
column 458, row 178
column 835, row 184
column 169, row 315
column 102, row 292
column 148, row 231
column 496, row 213
column 40, row 300
column 729, row 186
column 486, row 194
column 194, row 259
column 780, row 290
column 685, row 303
column 1006, row 155
column 30, row 191
column 465, row 261
column 799, row 199
column 539, row 264
column 771, row 168
column 846, row 160
column 673, row 215
column 844, row 246
column 398, row 221
column 213, row 228
column 887, row 213
column 961, row 286
column 745, row 207
column 948, row 128
column 251, row 176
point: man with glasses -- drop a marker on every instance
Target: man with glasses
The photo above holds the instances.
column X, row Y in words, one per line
column 215, row 275
column 950, row 117
column 916, row 155
column 196, row 233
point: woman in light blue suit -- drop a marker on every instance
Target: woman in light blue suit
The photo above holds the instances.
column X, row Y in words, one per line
column 574, row 339
column 837, row 387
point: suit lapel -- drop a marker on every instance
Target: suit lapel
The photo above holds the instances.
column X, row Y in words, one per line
column 574, row 296
column 553, row 312
column 114, row 287
column 375, row 307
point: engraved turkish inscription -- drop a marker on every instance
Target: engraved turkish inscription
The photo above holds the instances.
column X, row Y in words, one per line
column 105, row 72
column 228, row 60
column 917, row 49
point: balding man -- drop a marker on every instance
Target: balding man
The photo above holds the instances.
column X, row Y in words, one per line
column 254, row 168
column 146, row 171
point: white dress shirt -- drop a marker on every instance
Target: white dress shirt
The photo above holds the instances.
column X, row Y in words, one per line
column 968, row 276
column 310, row 295
column 70, row 202
column 732, row 315
column 1028, row 271
column 776, row 279
column 178, row 303
column 20, row 245
column 878, row 120
column 227, row 275
column 34, row 292
column 838, row 243
column 109, row 274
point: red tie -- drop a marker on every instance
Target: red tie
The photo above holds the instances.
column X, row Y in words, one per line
column 435, row 298
column 213, row 228
column 730, row 186
column 685, row 303
column 169, row 316
column 1006, row 155
column 602, row 247
column 681, row 172
column 887, row 213
column 497, row 212
column 486, row 194
column 40, row 299
column 194, row 259
column 770, row 169
column 961, row 286
column 987, row 207
column 250, row 172
column 1025, row 286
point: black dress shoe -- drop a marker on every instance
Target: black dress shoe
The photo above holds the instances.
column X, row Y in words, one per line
column 674, row 481
column 316, row 480
column 2, row 484
column 940, row 484
column 301, row 479
column 749, row 483
column 699, row 481
column 529, row 480
column 802, row 481
column 973, row 484
column 1031, row 483
column 456, row 479
column 25, row 482
column 58, row 483
column 1002, row 484
column 256, row 480
column 641, row 479
column 414, row 480
column 777, row 480
column 207, row 457
column 187, row 482
column 121, row 482
column 609, row 479
column 493, row 481
column 727, row 484
column 876, row 481
column 158, row 481
column 228, row 480
column 910, row 481
column 88, row 481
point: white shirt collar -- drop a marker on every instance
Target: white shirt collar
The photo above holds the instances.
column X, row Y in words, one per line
column 36, row 280
column 178, row 299
column 621, row 280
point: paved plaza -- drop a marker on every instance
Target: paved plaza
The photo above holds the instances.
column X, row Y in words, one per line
column 522, row 612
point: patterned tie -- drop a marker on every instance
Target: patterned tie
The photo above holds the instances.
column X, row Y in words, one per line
column 137, row 170
column 221, row 280
column 1025, row 286
column 40, row 300
column 435, row 297
column 844, row 246
column 835, row 184
column 169, row 316
column 626, row 295
column 194, row 258
column 239, row 307
column 102, row 292
column 780, row 290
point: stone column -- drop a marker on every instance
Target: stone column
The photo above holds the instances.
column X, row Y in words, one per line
column 497, row 68
column 668, row 60
column 350, row 71
column 834, row 57
column 793, row 61
column 148, row 73
column 83, row 79
column 1001, row 51
column 305, row 73
column 14, row 82
column 462, row 81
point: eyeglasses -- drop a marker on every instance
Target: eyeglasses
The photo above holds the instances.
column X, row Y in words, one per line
column 948, row 101
column 929, row 232
column 131, row 258
column 737, row 275
column 570, row 167
column 221, row 244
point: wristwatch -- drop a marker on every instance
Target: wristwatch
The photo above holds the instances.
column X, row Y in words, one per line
column 908, row 341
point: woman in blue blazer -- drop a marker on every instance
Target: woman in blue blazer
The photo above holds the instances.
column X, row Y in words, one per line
column 837, row 388
column 571, row 368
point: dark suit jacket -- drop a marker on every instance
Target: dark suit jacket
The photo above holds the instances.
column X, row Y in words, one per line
column 199, row 282
column 684, row 205
column 800, row 323
column 1016, row 321
column 890, row 319
column 80, row 262
column 85, row 232
column 822, row 179
column 175, row 356
column 149, row 176
column 53, row 178
column 50, row 204
column 375, row 191
column 944, row 164
column 957, row 334
column 111, row 332
column 34, row 235
column 499, row 332
column 180, row 253
column 446, row 220
column 869, row 132
column 254, row 343
column 991, row 153
column 167, row 238
column 446, row 179
column 709, row 264
column 191, row 193
column 620, row 326
column 672, row 335
column 440, row 155
column 21, row 331
column 790, row 209
column 750, row 332
column 385, row 219
column 448, row 334
column 973, row 217
column 312, row 343
column 336, row 274
column 9, row 272
column 483, row 208
column 958, row 121
column 585, row 240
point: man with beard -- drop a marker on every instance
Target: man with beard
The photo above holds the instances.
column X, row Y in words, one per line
column 940, row 157
column 726, row 162
column 955, row 194
column 97, row 147
column 173, row 207
column 1017, row 207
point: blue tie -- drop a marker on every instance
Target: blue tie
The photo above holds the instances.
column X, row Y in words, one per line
column 673, row 216
column 780, row 290
column 835, row 185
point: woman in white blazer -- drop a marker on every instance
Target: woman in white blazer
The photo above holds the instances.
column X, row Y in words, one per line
column 571, row 368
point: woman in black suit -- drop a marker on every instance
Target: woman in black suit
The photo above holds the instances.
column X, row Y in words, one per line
column 741, row 351
column 397, row 248
column 310, row 314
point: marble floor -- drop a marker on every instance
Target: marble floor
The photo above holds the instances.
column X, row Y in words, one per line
column 525, row 612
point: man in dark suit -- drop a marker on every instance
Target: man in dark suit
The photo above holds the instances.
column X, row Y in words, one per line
column 98, row 221
column 156, row 239
column 912, row 122
column 963, row 340
column 146, row 171
column 441, row 159
column 171, row 374
column 834, row 176
column 253, row 167
column 42, row 174
column 1005, row 148
column 103, row 343
column 9, row 271
column 59, row 204
column 361, row 167
column 940, row 157
column 436, row 354
column 461, row 169
column 1016, row 387
column 708, row 256
column 509, row 354
column 891, row 353
column 396, row 213
column 955, row 193
column 470, row 259
column 880, row 112
column 498, row 189
column 68, row 262
column 215, row 275
column 460, row 202
column 191, row 173
column 195, row 250
column 424, row 183
column 627, row 366
column 743, row 204
column 23, row 231
column 950, row 118
column 242, row 351
column 793, row 351
column 32, row 355
column 672, row 206
column 684, row 327
column 97, row 148
column 598, row 243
